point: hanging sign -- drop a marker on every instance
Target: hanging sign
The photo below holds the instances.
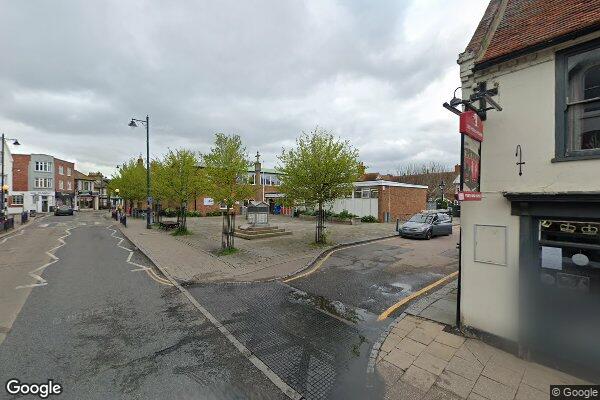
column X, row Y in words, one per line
column 471, row 125
column 471, row 128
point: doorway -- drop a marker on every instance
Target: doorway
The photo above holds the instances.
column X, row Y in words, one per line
column 44, row 203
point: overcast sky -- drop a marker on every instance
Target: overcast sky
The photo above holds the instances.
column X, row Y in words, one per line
column 374, row 72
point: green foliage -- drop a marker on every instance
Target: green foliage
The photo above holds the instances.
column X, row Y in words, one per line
column 226, row 169
column 319, row 169
column 369, row 218
column 344, row 215
column 177, row 178
column 441, row 204
column 181, row 231
column 213, row 214
column 130, row 180
column 227, row 251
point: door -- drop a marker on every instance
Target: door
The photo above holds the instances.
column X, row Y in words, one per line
column 44, row 203
column 445, row 224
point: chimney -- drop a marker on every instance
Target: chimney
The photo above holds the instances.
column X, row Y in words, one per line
column 457, row 169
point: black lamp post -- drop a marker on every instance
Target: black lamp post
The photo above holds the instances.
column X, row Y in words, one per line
column 133, row 124
column 3, row 185
column 442, row 186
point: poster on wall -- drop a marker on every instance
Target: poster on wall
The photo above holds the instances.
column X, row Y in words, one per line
column 471, row 128
column 471, row 162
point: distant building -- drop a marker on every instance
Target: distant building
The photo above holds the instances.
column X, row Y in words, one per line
column 86, row 196
column 64, row 179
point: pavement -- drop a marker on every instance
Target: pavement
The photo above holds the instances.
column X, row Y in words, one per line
column 194, row 258
column 104, row 323
column 420, row 359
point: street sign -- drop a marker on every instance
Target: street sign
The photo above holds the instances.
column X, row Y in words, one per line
column 471, row 125
column 469, row 196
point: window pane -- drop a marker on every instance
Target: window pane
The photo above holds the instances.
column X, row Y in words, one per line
column 583, row 120
column 584, row 126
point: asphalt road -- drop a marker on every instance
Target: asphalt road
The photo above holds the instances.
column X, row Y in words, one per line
column 105, row 328
column 316, row 332
column 375, row 276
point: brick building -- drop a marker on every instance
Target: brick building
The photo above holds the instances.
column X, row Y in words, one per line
column 266, row 183
column 385, row 200
column 64, row 179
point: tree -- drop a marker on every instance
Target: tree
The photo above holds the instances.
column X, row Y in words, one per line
column 225, row 171
column 429, row 174
column 131, row 181
column 178, row 178
column 320, row 169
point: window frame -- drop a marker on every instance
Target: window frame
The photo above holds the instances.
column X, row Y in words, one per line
column 20, row 196
column 562, row 153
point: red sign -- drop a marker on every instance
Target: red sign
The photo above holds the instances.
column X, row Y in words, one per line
column 469, row 196
column 471, row 125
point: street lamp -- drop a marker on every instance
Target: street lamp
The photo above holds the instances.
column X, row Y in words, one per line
column 133, row 124
column 4, row 185
column 442, row 186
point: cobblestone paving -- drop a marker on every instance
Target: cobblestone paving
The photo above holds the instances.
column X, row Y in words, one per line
column 319, row 355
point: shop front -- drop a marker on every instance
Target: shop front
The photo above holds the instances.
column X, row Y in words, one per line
column 63, row 198
column 559, row 269
column 86, row 200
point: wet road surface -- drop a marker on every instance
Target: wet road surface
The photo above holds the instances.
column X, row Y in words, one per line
column 317, row 332
column 104, row 331
column 375, row 276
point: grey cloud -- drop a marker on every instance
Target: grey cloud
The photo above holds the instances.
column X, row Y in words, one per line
column 74, row 72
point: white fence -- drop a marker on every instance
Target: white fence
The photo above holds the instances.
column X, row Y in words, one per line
column 360, row 207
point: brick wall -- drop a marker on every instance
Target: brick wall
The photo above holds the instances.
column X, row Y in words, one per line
column 401, row 202
column 20, row 172
column 64, row 177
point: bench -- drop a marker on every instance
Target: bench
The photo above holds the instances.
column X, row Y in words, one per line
column 167, row 225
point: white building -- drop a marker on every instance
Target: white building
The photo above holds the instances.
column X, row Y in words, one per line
column 7, row 162
column 530, row 249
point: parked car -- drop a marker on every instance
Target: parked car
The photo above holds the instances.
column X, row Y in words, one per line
column 426, row 225
column 63, row 210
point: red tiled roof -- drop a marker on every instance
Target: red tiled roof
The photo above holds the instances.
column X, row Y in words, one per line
column 529, row 24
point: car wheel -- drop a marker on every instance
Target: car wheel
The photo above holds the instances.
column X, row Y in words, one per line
column 428, row 235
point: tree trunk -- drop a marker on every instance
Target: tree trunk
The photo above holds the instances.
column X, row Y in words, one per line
column 319, row 237
column 227, row 238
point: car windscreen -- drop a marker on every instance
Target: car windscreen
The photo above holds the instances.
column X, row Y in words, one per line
column 422, row 218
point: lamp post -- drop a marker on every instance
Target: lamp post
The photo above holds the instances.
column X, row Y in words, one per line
column 133, row 124
column 442, row 186
column 4, row 186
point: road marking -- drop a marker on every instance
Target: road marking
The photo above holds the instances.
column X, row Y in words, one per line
column 36, row 273
column 149, row 271
column 43, row 225
column 406, row 299
column 321, row 261
column 10, row 237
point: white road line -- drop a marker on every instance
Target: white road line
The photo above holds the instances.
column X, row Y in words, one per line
column 43, row 225
column 140, row 267
column 35, row 274
column 10, row 237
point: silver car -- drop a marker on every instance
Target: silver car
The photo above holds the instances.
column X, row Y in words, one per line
column 426, row 225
